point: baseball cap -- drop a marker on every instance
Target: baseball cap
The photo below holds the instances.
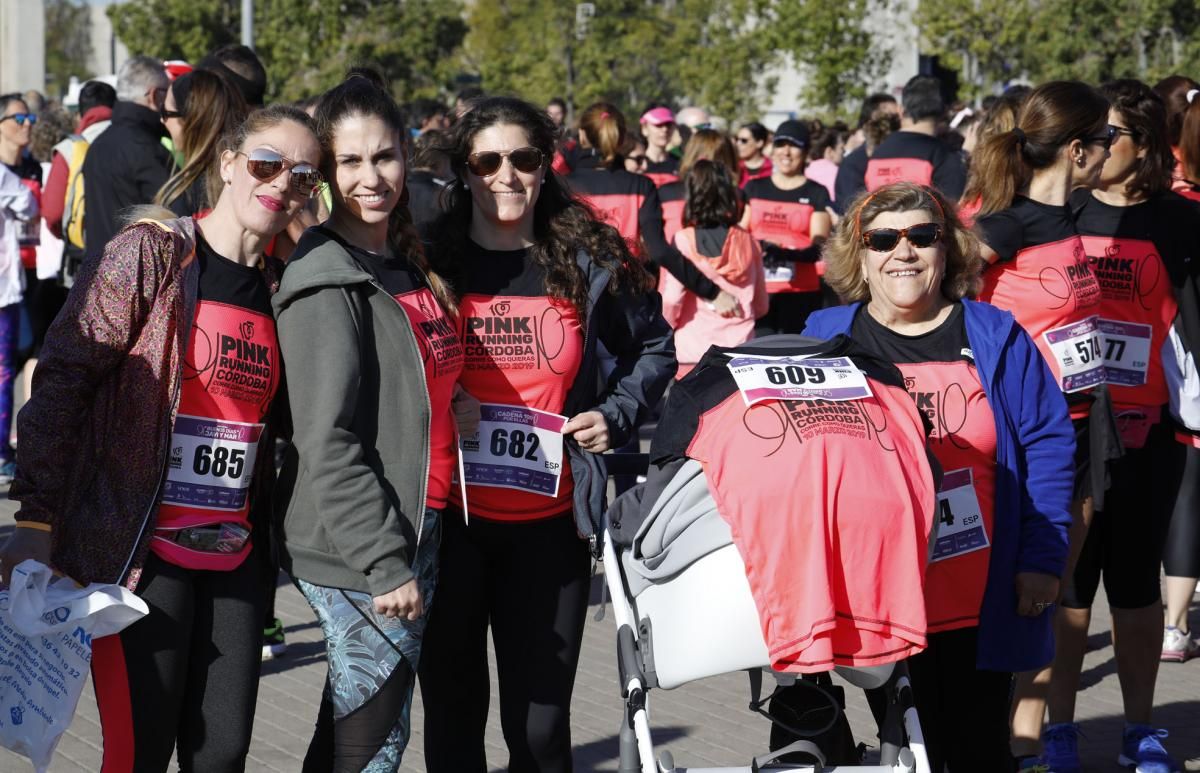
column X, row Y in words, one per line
column 793, row 133
column 658, row 116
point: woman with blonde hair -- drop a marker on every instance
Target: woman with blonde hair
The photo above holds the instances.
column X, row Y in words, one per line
column 1001, row 433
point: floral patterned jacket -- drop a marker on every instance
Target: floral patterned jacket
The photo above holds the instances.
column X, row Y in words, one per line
column 95, row 434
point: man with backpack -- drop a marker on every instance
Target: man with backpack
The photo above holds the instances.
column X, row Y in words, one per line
column 62, row 198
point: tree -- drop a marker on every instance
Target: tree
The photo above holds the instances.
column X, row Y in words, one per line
column 832, row 41
column 630, row 52
column 68, row 43
column 308, row 45
column 984, row 39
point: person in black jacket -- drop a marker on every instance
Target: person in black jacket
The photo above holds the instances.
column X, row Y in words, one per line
column 128, row 163
column 428, row 174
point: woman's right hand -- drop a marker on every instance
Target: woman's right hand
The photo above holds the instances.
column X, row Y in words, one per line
column 405, row 602
column 726, row 305
column 22, row 545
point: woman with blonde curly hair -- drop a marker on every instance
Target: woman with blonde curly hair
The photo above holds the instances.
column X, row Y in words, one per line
column 1002, row 435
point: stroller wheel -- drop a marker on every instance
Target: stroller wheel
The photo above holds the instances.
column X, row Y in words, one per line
column 666, row 762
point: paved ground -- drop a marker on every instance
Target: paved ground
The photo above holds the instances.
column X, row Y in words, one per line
column 704, row 723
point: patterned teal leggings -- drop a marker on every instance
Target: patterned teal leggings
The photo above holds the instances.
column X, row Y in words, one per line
column 363, row 724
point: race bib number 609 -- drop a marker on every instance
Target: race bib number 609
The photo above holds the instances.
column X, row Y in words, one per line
column 762, row 378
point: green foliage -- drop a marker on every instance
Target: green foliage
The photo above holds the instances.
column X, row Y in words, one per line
column 994, row 41
column 308, row 45
column 832, row 42
column 68, row 44
column 984, row 40
column 703, row 52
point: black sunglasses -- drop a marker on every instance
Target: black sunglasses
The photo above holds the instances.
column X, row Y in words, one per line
column 265, row 165
column 488, row 162
column 165, row 114
column 887, row 239
column 1110, row 135
column 20, row 118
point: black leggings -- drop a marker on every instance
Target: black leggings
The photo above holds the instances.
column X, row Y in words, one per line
column 530, row 582
column 1182, row 555
column 963, row 711
column 185, row 675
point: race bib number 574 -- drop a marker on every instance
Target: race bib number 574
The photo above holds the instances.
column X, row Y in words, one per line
column 515, row 448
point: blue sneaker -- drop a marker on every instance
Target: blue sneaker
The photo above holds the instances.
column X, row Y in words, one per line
column 1142, row 751
column 1061, row 748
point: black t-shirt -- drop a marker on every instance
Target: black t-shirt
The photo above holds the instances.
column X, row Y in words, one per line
column 500, row 272
column 395, row 274
column 27, row 168
column 811, row 193
column 849, row 180
column 915, row 157
column 945, row 343
column 1027, row 223
column 224, row 281
column 1168, row 220
column 669, row 165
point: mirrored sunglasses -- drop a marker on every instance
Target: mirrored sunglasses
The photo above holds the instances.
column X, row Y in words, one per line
column 265, row 165
column 20, row 118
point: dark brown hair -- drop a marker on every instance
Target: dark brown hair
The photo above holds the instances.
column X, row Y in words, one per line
column 1053, row 115
column 364, row 93
column 711, row 196
column 604, row 127
column 1174, row 90
column 1189, row 143
column 562, row 225
column 210, row 110
column 843, row 251
column 1145, row 115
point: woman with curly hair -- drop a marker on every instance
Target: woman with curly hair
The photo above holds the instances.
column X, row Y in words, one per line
column 540, row 285
column 1001, row 433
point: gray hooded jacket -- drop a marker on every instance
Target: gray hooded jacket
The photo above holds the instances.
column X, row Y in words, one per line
column 352, row 491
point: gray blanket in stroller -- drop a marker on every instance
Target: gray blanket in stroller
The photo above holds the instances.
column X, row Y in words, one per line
column 678, row 526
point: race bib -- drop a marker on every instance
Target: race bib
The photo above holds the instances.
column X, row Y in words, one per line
column 515, row 448
column 761, row 378
column 960, row 527
column 211, row 463
column 1078, row 353
column 1126, row 351
column 779, row 273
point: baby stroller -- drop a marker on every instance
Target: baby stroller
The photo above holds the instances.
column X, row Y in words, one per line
column 672, row 568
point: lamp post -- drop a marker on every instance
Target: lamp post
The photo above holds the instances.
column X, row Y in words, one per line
column 248, row 23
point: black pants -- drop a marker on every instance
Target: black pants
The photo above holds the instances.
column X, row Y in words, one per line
column 1182, row 555
column 185, row 675
column 530, row 583
column 963, row 711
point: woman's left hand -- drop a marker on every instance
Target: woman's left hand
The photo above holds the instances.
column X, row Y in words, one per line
column 1036, row 592
column 590, row 430
column 466, row 411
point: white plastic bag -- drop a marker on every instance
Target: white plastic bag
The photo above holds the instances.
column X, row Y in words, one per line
column 46, row 629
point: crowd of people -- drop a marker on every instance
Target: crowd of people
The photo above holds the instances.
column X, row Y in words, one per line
column 266, row 337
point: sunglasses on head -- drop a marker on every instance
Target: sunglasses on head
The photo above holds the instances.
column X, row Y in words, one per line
column 488, row 162
column 20, row 118
column 265, row 165
column 886, row 239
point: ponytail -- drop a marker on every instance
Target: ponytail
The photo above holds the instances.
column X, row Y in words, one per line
column 603, row 127
column 1051, row 117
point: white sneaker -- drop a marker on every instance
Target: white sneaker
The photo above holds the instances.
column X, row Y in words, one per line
column 1178, row 647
